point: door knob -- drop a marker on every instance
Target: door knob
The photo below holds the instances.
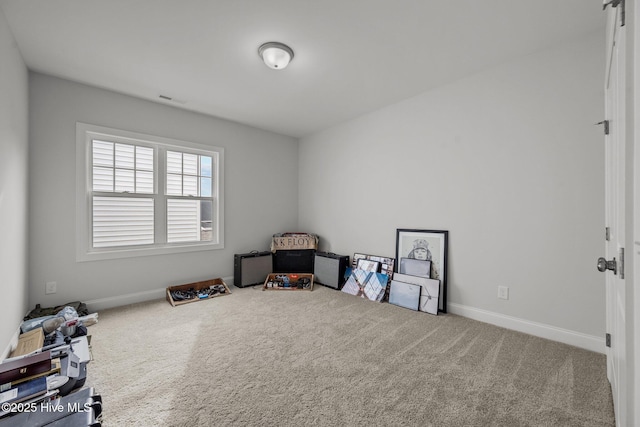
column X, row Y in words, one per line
column 604, row 265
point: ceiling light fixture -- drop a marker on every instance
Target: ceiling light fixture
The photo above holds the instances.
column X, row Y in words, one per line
column 275, row 55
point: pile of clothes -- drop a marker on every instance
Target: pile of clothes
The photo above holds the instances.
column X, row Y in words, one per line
column 67, row 320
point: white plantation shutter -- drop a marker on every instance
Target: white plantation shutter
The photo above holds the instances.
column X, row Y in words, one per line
column 102, row 166
column 144, row 170
column 183, row 220
column 118, row 219
column 122, row 168
column 122, row 221
column 188, row 175
column 183, row 172
column 174, row 173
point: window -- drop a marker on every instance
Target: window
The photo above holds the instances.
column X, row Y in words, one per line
column 143, row 195
column 120, row 172
column 188, row 175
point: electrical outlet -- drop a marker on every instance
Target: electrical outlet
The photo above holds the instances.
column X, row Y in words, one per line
column 51, row 288
column 503, row 292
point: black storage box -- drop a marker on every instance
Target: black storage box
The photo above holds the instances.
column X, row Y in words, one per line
column 82, row 408
column 293, row 261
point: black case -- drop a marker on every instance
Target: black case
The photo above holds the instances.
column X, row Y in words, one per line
column 329, row 269
column 293, row 261
column 82, row 408
column 251, row 268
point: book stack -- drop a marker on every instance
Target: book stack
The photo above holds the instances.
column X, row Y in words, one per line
column 24, row 378
column 42, row 386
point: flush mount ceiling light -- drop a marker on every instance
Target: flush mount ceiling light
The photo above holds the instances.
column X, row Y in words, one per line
column 275, row 55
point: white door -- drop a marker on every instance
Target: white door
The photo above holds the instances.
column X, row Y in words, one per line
column 613, row 262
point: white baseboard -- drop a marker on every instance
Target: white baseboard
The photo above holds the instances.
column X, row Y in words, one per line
column 577, row 339
column 120, row 300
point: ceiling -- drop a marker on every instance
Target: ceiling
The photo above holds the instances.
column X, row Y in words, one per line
column 351, row 56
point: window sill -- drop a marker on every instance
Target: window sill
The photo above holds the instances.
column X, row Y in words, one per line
column 146, row 251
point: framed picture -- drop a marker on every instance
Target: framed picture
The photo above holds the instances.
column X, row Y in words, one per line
column 415, row 267
column 426, row 245
column 365, row 284
column 429, row 294
column 429, row 299
column 385, row 266
column 368, row 265
column 405, row 295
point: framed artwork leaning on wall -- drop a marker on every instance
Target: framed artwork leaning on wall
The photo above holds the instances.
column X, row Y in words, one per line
column 426, row 245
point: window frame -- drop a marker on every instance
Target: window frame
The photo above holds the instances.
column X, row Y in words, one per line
column 85, row 134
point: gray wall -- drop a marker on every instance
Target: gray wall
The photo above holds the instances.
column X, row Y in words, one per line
column 13, row 186
column 253, row 183
column 509, row 161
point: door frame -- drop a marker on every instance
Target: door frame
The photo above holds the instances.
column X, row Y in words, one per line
column 631, row 415
column 615, row 210
column 632, row 9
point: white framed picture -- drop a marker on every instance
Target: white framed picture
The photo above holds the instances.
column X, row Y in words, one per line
column 429, row 293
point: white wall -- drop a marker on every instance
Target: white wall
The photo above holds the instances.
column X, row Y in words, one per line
column 13, row 186
column 259, row 174
column 509, row 161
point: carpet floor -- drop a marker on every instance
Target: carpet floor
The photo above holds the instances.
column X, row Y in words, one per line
column 326, row 358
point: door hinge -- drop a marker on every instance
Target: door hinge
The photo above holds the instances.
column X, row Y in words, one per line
column 607, row 233
column 607, row 339
column 615, row 3
column 621, row 269
column 606, row 126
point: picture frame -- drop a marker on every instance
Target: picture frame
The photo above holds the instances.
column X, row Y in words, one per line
column 415, row 267
column 368, row 265
column 386, row 264
column 405, row 295
column 427, row 245
column 366, row 284
column 429, row 294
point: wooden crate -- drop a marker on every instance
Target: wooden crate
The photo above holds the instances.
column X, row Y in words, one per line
column 197, row 286
column 293, row 277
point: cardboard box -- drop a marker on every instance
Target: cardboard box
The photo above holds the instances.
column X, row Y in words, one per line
column 197, row 286
column 288, row 282
column 291, row 241
column 29, row 342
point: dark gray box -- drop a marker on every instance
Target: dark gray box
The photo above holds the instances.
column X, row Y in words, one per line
column 329, row 269
column 252, row 268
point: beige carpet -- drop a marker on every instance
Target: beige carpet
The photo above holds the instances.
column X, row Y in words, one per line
column 325, row 358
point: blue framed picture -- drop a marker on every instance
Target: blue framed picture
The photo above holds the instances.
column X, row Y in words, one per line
column 405, row 295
